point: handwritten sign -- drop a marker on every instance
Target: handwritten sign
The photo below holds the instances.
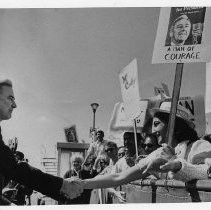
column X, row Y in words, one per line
column 183, row 35
column 130, row 89
column 119, row 121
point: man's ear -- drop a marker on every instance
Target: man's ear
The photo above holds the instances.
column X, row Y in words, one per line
column 171, row 31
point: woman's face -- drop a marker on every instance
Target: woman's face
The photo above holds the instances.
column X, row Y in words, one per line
column 160, row 129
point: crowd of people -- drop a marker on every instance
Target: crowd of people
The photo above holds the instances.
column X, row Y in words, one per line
column 104, row 158
column 106, row 167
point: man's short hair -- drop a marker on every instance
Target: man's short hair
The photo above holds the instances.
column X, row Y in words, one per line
column 181, row 17
column 100, row 131
column 5, row 82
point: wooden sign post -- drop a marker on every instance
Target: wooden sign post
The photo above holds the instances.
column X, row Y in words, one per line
column 174, row 102
column 135, row 137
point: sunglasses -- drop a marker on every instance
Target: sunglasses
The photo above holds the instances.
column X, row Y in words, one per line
column 103, row 162
column 147, row 145
column 109, row 150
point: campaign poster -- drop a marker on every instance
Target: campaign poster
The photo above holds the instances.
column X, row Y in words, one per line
column 128, row 77
column 183, row 35
column 71, row 134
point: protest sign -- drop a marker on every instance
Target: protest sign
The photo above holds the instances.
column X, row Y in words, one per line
column 130, row 89
column 183, row 35
column 120, row 123
column 71, row 134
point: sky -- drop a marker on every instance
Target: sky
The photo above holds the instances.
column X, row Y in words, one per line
column 62, row 60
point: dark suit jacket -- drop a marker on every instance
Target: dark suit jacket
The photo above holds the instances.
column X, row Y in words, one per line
column 27, row 175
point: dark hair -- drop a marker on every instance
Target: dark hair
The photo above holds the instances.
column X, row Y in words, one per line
column 207, row 137
column 6, row 82
column 182, row 130
column 100, row 131
column 147, row 128
column 130, row 135
column 111, row 144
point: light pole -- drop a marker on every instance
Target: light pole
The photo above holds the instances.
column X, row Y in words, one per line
column 94, row 108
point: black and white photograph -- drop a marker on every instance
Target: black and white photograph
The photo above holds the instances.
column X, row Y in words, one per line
column 185, row 26
column 87, row 117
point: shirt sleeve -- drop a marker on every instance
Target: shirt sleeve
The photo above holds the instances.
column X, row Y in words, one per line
column 194, row 167
column 190, row 171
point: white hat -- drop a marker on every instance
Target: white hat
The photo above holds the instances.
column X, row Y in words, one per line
column 182, row 112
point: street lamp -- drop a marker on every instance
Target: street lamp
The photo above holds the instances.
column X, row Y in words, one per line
column 94, row 108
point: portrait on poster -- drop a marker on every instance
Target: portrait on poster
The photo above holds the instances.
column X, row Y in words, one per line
column 185, row 26
column 183, row 35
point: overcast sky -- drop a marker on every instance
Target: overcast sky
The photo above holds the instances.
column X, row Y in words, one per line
column 62, row 60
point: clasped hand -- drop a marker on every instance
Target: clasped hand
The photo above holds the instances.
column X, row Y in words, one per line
column 72, row 187
column 162, row 160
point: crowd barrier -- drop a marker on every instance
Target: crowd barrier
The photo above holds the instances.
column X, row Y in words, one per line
column 167, row 191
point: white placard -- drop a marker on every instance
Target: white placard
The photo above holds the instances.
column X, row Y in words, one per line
column 130, row 89
column 119, row 121
column 183, row 35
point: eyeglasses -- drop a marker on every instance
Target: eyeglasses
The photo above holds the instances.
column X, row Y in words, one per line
column 103, row 162
column 109, row 150
column 147, row 145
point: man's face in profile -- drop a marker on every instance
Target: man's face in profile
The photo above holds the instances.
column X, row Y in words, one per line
column 7, row 102
column 181, row 30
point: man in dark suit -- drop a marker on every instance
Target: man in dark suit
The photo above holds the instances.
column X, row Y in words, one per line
column 52, row 186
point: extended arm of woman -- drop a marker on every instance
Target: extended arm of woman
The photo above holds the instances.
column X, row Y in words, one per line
column 131, row 174
column 113, row 180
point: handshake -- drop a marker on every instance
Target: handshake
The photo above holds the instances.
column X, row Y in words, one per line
column 72, row 187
